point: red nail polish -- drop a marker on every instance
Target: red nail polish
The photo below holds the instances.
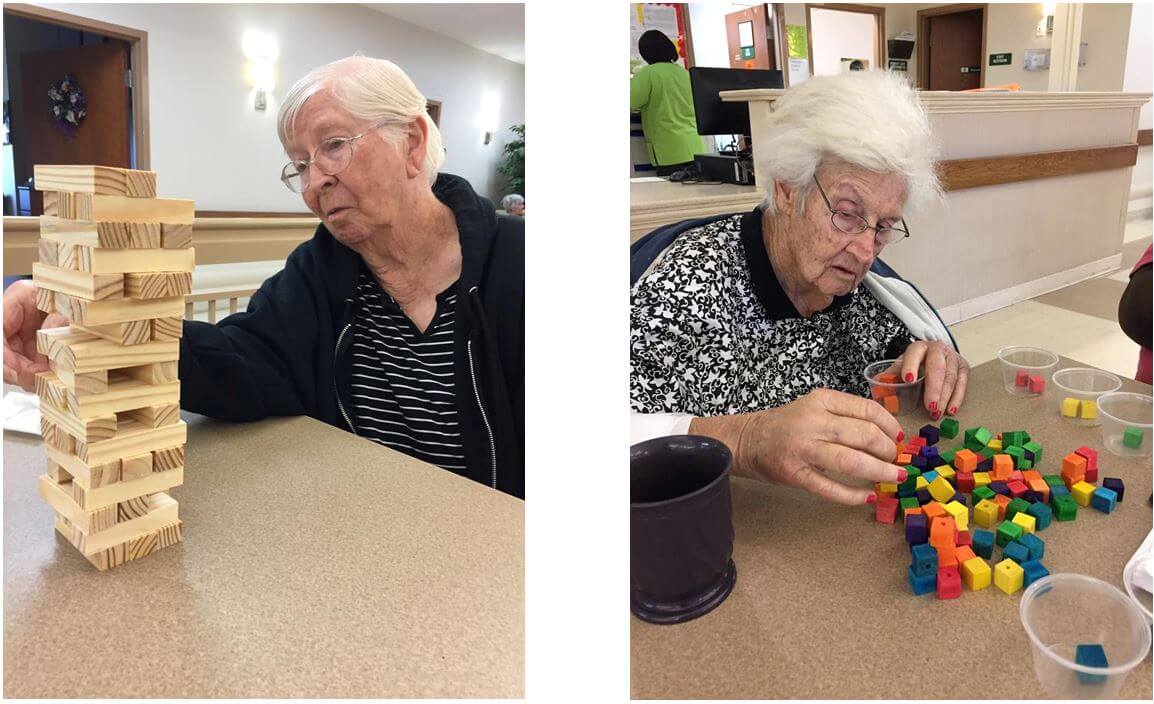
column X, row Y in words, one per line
column 901, row 435
column 909, row 377
column 871, row 498
column 902, row 474
column 953, row 410
column 933, row 405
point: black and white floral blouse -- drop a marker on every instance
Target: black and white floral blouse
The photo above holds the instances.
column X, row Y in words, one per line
column 712, row 332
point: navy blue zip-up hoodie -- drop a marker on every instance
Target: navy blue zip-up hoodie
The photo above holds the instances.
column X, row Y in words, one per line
column 281, row 357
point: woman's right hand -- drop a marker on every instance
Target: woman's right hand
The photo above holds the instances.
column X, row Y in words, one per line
column 799, row 443
column 21, row 321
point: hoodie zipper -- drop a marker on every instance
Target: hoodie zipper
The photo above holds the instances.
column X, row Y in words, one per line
column 481, row 407
column 336, row 382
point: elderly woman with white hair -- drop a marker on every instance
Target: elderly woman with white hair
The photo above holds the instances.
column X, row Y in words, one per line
column 514, row 204
column 755, row 328
column 401, row 320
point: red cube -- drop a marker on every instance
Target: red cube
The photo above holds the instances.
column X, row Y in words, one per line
column 1037, row 384
column 965, row 481
column 1091, row 456
column 963, row 539
column 1092, row 475
column 1016, row 476
column 886, row 509
column 1022, row 379
column 949, row 583
column 1017, row 489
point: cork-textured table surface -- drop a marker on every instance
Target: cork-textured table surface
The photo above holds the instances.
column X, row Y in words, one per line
column 822, row 608
column 314, row 564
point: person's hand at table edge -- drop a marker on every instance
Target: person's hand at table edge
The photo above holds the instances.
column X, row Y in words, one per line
column 21, row 321
column 798, row 443
column 947, row 374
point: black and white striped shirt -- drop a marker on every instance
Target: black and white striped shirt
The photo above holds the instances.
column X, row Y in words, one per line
column 402, row 379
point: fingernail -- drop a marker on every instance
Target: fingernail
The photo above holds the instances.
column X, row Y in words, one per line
column 936, row 414
column 871, row 498
column 902, row 474
column 953, row 410
column 909, row 377
column 933, row 405
column 901, row 435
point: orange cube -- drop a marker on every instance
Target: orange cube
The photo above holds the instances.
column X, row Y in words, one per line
column 888, row 378
column 891, row 404
column 1002, row 502
column 1040, row 486
column 934, row 510
column 912, row 512
column 965, row 461
column 1003, row 467
column 1073, row 469
column 1030, row 475
column 904, row 459
column 963, row 553
column 902, row 449
column 942, row 532
column 947, row 556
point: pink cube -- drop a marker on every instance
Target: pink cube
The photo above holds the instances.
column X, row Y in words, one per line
column 949, row 583
column 1022, row 379
column 1037, row 384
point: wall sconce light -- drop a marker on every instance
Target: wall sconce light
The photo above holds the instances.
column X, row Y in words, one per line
column 1046, row 24
column 261, row 50
column 488, row 115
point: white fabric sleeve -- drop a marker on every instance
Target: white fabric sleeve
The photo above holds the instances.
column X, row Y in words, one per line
column 901, row 299
column 646, row 426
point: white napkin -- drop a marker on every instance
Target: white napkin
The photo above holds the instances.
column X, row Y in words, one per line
column 21, row 412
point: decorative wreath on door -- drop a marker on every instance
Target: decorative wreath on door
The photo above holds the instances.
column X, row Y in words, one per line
column 69, row 106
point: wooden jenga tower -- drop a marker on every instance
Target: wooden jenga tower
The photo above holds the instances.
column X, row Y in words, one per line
column 116, row 262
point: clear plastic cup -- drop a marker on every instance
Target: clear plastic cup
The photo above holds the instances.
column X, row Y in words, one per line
column 1024, row 367
column 899, row 398
column 1123, row 412
column 1077, row 390
column 1061, row 612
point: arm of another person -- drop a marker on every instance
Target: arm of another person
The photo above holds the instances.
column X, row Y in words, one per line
column 1134, row 308
column 639, row 91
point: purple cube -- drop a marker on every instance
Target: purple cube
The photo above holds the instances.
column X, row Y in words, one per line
column 919, row 462
column 924, row 496
column 960, row 498
column 930, row 453
column 986, row 465
column 1000, row 488
column 1032, row 496
column 1115, row 485
column 916, row 530
column 930, row 433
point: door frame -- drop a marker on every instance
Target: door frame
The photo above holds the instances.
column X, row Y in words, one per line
column 878, row 12
column 923, row 25
column 782, row 41
column 138, row 52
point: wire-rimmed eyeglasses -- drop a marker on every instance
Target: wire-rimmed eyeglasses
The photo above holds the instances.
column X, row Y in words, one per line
column 332, row 157
column 852, row 224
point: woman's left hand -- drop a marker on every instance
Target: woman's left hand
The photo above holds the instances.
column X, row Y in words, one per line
column 947, row 375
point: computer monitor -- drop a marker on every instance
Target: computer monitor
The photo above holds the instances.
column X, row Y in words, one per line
column 715, row 116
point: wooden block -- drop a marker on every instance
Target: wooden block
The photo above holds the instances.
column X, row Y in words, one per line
column 90, row 477
column 45, row 300
column 1008, row 576
column 79, row 351
column 159, row 373
column 84, row 430
column 131, row 550
column 112, row 494
column 132, row 438
column 49, row 252
column 55, row 437
column 134, row 332
column 119, row 261
column 158, row 285
column 132, row 508
column 55, row 472
column 112, row 235
column 162, row 510
column 88, row 522
column 51, row 391
column 976, row 573
column 167, row 328
column 176, row 235
column 89, row 286
column 85, row 312
column 93, row 207
column 124, row 394
column 51, row 207
column 135, row 467
column 102, row 180
column 168, row 458
column 68, row 257
column 94, row 382
column 156, row 416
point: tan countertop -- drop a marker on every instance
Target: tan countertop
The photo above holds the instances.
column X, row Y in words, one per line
column 314, row 564
column 822, row 608
column 654, row 203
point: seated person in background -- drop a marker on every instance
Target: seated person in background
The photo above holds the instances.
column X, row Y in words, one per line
column 514, row 204
column 1134, row 313
column 661, row 92
column 401, row 320
column 755, row 329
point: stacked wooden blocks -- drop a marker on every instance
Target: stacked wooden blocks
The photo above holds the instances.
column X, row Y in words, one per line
column 117, row 263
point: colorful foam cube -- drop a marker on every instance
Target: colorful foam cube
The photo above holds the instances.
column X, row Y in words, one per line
column 924, row 496
column 1070, row 407
column 1089, row 409
column 976, row 573
column 886, row 510
column 1032, row 571
column 917, row 529
column 919, row 462
column 983, row 543
column 1017, row 488
column 1003, row 465
column 963, row 553
column 999, row 487
column 903, row 459
column 1053, row 480
column 1014, row 507
column 1065, row 508
column 1115, row 485
column 965, row 481
column 930, row 433
column 986, row 513
column 1058, row 491
column 1042, row 514
column 1022, row 378
column 890, row 403
column 963, row 538
column 960, row 498
column 947, row 472
column 982, row 491
column 1037, row 384
column 924, row 560
column 930, row 452
column 965, row 461
column 921, row 483
column 986, row 464
column 948, row 456
column 1041, row 489
column 908, row 502
column 930, row 475
column 1015, row 437
column 1034, row 544
column 960, row 514
column 1073, row 469
column 942, row 532
column 1008, row 532
column 910, row 512
column 1132, row 437
column 1090, row 655
column 1017, row 454
column 1104, row 499
column 1017, row 552
column 941, row 489
column 946, row 557
column 995, row 445
column 1026, row 521
column 911, row 480
column 1003, row 502
column 1033, row 452
column 934, row 510
column 1008, row 576
column 1090, row 454
column 1082, row 491
column 886, row 488
column 923, row 584
column 949, row 582
column 948, row 428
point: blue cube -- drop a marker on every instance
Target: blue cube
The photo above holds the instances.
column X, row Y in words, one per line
column 930, row 476
column 1115, row 485
column 1032, row 571
column 930, row 453
column 982, row 543
column 919, row 462
column 924, row 496
column 907, row 492
column 1091, row 655
column 931, row 434
column 925, row 560
column 1058, row 491
column 1017, row 552
column 917, row 529
column 986, row 465
column 1034, row 544
column 1103, row 499
column 1032, row 496
column 1042, row 514
column 960, row 498
column 923, row 584
column 936, row 461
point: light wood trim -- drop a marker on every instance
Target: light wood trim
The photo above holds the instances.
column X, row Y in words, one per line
column 138, row 48
column 251, row 214
column 959, row 174
column 782, row 42
column 1144, row 138
column 922, row 24
column 943, row 102
column 878, row 12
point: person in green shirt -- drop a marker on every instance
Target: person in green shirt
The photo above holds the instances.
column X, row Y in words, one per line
column 660, row 91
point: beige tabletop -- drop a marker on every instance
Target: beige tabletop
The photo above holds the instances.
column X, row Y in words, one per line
column 822, row 608
column 314, row 563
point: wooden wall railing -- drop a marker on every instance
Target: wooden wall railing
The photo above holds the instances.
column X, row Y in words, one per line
column 214, row 296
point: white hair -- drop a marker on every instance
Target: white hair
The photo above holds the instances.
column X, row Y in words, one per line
column 512, row 199
column 369, row 89
column 870, row 119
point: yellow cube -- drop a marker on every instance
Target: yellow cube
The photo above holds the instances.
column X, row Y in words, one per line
column 941, row 489
column 1089, row 409
column 920, row 483
column 1025, row 520
column 1082, row 491
column 981, row 479
column 1008, row 576
column 960, row 513
column 1070, row 407
column 887, row 488
column 946, row 471
column 995, row 445
column 986, row 514
column 976, row 573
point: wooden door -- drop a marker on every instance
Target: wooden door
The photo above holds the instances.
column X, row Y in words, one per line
column 750, row 39
column 103, row 137
column 955, row 51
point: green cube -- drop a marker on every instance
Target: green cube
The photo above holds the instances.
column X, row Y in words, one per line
column 1132, row 437
column 974, row 444
column 983, row 492
column 984, row 454
column 1015, row 437
column 1036, row 450
column 948, row 456
column 1026, row 464
column 909, row 502
column 982, row 434
column 1065, row 508
column 1008, row 532
column 1018, row 454
column 948, row 428
column 1053, row 479
column 1015, row 506
column 912, row 474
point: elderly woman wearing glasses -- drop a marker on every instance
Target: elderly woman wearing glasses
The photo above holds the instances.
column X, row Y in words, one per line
column 401, row 320
column 755, row 328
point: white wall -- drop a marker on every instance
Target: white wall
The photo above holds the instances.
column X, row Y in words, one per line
column 1140, row 59
column 707, row 22
column 209, row 144
column 838, row 34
